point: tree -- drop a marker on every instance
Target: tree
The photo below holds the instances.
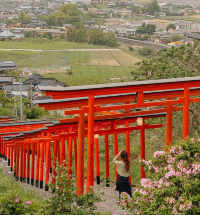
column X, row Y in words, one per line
column 3, row 98
column 146, row 51
column 31, row 34
column 80, row 35
column 66, row 14
column 48, row 35
column 146, row 29
column 173, row 63
column 110, row 40
column 146, row 37
column 173, row 38
column 170, row 26
column 152, row 8
column 96, row 37
column 150, row 28
column 23, row 18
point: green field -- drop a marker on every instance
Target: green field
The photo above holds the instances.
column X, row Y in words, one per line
column 87, row 75
column 38, row 44
column 35, row 59
column 79, row 57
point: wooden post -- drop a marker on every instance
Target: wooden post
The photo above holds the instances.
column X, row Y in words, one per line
column 128, row 145
column 75, row 156
column 168, row 128
column 24, row 162
column 17, row 161
column 69, row 164
column 54, row 163
column 41, row 164
column 11, row 158
column 33, row 164
column 107, row 160
column 97, row 160
column 62, row 150
column 47, row 156
column 142, row 147
column 9, row 155
column 37, row 164
column 186, row 113
column 116, row 152
column 21, row 162
column 28, row 164
column 90, row 145
column 80, row 159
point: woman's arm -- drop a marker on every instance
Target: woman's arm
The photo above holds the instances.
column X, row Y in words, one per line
column 115, row 158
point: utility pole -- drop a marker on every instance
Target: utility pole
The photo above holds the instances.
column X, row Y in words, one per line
column 15, row 106
column 21, row 108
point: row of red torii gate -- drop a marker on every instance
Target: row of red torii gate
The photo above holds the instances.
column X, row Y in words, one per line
column 93, row 110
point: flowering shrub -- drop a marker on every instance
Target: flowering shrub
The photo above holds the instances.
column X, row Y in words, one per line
column 65, row 201
column 14, row 205
column 173, row 186
column 125, row 200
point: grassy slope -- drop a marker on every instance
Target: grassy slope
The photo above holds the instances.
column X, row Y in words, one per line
column 8, row 186
column 87, row 75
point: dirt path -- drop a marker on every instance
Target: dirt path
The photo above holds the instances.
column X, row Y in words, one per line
column 109, row 197
column 61, row 50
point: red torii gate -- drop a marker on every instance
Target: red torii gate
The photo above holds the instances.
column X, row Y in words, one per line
column 22, row 142
column 17, row 127
column 181, row 88
column 4, row 119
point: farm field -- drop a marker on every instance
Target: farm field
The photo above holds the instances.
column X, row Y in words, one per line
column 79, row 57
column 38, row 44
column 88, row 74
column 125, row 59
column 104, row 58
column 35, row 59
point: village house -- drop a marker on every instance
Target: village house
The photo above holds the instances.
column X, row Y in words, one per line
column 186, row 41
column 36, row 23
column 7, row 65
column 14, row 90
column 6, row 80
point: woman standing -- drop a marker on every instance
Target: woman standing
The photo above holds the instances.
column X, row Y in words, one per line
column 123, row 169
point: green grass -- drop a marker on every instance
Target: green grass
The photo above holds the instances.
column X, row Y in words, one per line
column 38, row 44
column 88, row 75
column 79, row 57
column 9, row 186
column 35, row 59
column 137, row 55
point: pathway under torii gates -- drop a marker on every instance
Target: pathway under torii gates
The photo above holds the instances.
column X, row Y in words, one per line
column 99, row 110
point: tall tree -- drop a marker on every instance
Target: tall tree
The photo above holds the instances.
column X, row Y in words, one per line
column 172, row 26
column 96, row 37
column 182, row 61
column 152, row 8
column 66, row 14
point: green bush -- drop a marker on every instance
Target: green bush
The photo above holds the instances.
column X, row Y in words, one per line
column 146, row 37
column 146, row 51
column 65, row 200
column 15, row 199
column 130, row 48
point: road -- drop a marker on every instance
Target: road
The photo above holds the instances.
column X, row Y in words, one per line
column 40, row 50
